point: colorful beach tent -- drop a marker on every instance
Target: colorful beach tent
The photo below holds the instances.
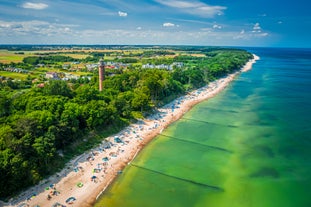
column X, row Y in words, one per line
column 80, row 184
column 117, row 139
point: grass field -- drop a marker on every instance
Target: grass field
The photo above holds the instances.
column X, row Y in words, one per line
column 18, row 76
column 81, row 73
column 8, row 57
column 77, row 56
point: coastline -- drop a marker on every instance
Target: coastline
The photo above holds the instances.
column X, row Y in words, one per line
column 94, row 163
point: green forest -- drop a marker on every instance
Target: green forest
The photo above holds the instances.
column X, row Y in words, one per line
column 43, row 127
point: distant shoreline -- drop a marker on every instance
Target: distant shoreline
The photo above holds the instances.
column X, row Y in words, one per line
column 94, row 163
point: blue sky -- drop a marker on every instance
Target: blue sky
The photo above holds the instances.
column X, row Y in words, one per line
column 271, row 23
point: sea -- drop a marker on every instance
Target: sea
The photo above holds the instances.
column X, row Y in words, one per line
column 249, row 146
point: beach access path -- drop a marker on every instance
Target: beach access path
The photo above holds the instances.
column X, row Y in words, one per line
column 85, row 177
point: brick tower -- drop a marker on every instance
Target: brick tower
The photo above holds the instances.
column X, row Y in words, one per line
column 101, row 71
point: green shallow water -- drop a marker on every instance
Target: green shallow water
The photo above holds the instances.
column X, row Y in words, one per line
column 247, row 147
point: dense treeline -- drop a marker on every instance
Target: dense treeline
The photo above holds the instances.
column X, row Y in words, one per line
column 34, row 60
column 39, row 125
column 152, row 53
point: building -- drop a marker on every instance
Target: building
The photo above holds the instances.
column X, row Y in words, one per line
column 101, row 72
column 51, row 75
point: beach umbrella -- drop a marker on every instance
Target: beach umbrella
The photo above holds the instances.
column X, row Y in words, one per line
column 117, row 140
column 56, row 204
column 55, row 192
column 70, row 199
column 112, row 154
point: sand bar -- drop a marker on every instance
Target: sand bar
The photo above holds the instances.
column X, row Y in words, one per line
column 85, row 177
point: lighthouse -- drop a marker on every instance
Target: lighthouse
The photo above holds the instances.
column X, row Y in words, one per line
column 101, row 71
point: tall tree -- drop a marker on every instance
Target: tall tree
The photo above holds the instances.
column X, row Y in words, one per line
column 58, row 87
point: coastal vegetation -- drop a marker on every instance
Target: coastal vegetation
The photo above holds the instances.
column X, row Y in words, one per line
column 44, row 121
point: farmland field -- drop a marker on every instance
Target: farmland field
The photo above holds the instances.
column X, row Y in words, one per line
column 20, row 76
column 8, row 57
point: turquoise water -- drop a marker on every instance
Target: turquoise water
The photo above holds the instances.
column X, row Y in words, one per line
column 250, row 146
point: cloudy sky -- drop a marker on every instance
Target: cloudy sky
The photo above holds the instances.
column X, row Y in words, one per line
column 272, row 23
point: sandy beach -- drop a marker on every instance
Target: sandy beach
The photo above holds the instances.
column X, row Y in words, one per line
column 86, row 176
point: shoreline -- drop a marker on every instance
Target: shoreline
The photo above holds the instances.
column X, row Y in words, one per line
column 98, row 168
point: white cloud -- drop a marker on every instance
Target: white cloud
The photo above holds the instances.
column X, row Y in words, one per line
column 42, row 32
column 253, row 34
column 156, row 37
column 35, row 28
column 191, row 21
column 216, row 26
column 178, row 4
column 37, row 6
column 256, row 28
column 122, row 14
column 262, row 34
column 168, row 24
column 4, row 25
column 108, row 13
column 206, row 29
column 194, row 7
